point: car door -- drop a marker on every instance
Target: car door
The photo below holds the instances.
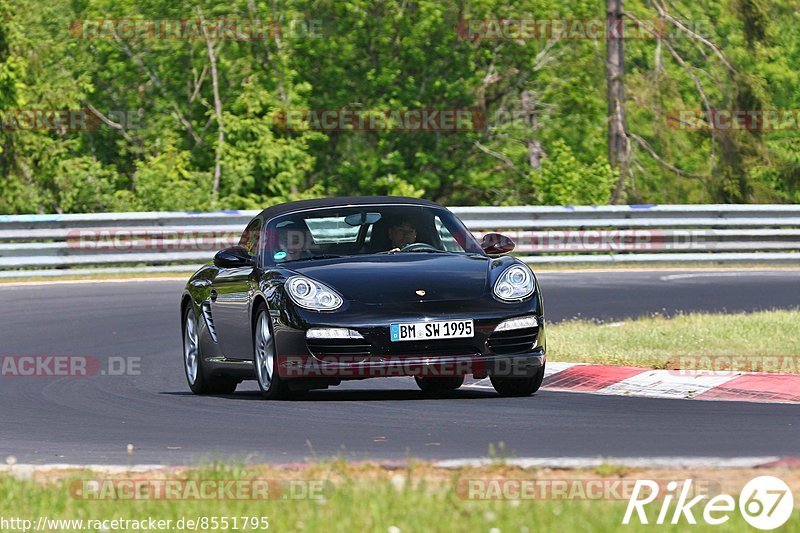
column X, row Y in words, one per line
column 231, row 300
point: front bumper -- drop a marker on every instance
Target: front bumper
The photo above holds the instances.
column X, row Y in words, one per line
column 486, row 353
column 355, row 367
column 512, row 353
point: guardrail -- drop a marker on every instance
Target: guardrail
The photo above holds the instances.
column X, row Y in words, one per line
column 176, row 241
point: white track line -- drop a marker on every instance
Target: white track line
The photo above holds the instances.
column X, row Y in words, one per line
column 592, row 462
column 740, row 273
column 27, row 471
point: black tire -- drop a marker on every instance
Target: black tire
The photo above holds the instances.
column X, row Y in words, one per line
column 202, row 383
column 221, row 385
column 439, row 385
column 517, row 387
column 275, row 388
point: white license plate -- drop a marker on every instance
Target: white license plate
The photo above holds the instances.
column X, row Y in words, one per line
column 417, row 331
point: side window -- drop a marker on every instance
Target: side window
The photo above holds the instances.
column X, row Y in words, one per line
column 448, row 241
column 251, row 236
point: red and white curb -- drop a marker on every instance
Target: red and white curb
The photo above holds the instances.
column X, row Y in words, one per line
column 684, row 384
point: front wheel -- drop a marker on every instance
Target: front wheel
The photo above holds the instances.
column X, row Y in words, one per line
column 198, row 381
column 439, row 385
column 265, row 359
column 516, row 387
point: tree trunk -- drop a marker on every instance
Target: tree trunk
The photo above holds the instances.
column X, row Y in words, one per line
column 220, row 124
column 618, row 149
column 530, row 115
column 212, row 59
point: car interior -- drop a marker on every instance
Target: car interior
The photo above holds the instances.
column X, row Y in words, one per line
column 301, row 237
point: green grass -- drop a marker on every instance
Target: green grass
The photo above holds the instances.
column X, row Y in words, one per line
column 357, row 499
column 763, row 341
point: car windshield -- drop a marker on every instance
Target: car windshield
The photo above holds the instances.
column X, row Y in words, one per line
column 369, row 229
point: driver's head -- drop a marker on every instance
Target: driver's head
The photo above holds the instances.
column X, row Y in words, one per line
column 291, row 239
column 402, row 233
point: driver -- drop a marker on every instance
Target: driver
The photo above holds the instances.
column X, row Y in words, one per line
column 291, row 242
column 401, row 234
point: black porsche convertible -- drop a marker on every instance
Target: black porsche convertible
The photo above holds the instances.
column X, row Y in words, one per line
column 321, row 291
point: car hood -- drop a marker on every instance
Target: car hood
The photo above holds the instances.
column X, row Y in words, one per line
column 395, row 278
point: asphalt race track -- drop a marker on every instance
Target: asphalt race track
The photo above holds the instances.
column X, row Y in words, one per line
column 93, row 419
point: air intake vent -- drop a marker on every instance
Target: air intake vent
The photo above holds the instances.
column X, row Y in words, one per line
column 206, row 308
column 339, row 347
column 431, row 348
column 513, row 341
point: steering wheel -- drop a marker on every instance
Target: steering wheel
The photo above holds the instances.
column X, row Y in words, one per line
column 417, row 247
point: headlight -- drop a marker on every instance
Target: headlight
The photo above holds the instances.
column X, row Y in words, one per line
column 311, row 294
column 516, row 283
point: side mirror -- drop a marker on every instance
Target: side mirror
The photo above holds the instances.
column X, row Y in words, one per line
column 496, row 244
column 234, row 257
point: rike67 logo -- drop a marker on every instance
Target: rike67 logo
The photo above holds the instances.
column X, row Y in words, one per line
column 765, row 503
